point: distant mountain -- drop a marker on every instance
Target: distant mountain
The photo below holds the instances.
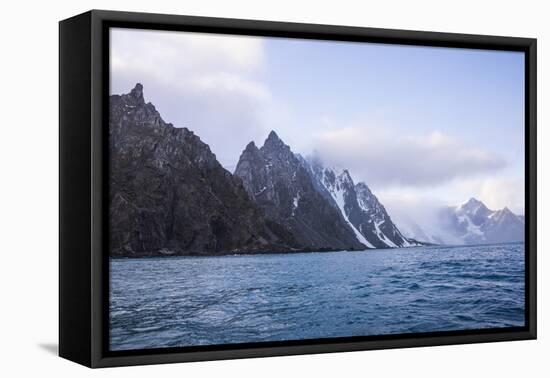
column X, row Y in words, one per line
column 281, row 186
column 474, row 223
column 365, row 215
column 169, row 195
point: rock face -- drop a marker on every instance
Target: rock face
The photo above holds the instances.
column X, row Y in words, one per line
column 359, row 206
column 277, row 181
column 374, row 214
column 473, row 223
column 169, row 195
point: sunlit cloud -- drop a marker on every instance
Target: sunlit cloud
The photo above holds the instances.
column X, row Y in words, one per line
column 389, row 157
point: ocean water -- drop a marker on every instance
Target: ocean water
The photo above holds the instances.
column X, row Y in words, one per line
column 189, row 301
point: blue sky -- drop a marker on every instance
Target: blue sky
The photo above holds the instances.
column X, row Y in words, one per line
column 472, row 93
column 419, row 125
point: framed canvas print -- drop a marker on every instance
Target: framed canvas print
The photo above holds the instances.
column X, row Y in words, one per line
column 234, row 188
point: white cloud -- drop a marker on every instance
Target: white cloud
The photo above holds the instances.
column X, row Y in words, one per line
column 206, row 82
column 388, row 157
column 416, row 213
column 230, row 83
column 497, row 192
column 412, row 207
column 166, row 53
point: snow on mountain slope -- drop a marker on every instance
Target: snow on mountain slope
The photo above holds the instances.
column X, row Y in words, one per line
column 473, row 223
column 338, row 193
column 278, row 183
column 359, row 207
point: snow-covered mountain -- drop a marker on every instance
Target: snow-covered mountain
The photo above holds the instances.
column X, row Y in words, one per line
column 279, row 184
column 474, row 223
column 322, row 207
column 365, row 215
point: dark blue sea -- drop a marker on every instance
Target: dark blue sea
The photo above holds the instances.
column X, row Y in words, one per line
column 189, row 301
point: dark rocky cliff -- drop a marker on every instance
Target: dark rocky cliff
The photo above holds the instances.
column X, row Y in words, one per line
column 277, row 181
column 359, row 206
column 169, row 195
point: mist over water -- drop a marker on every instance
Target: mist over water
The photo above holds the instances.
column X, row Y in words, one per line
column 186, row 301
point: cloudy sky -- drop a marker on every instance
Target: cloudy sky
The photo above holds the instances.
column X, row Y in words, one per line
column 422, row 126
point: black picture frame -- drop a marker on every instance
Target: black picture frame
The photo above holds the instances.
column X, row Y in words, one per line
column 83, row 157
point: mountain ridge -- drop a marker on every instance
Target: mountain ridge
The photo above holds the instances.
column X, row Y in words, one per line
column 169, row 195
column 359, row 206
column 280, row 185
column 471, row 222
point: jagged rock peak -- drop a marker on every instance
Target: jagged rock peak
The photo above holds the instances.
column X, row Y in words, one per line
column 273, row 141
column 474, row 205
column 137, row 92
column 273, row 136
column 251, row 147
column 166, row 185
column 472, row 202
column 504, row 213
column 346, row 177
column 362, row 186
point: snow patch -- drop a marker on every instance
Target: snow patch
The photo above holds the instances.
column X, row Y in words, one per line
column 471, row 227
column 383, row 237
column 261, row 191
column 338, row 196
column 295, row 203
